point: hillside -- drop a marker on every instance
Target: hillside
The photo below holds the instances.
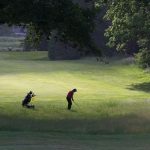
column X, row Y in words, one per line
column 111, row 98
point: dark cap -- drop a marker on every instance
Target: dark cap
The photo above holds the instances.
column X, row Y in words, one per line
column 74, row 90
column 30, row 92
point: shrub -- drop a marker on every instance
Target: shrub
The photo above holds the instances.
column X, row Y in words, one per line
column 143, row 58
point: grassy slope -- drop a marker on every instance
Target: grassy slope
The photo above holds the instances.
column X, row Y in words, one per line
column 112, row 98
column 46, row 141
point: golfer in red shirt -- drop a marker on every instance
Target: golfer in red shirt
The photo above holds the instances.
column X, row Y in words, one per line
column 70, row 97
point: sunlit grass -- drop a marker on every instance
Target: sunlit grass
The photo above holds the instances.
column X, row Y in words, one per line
column 111, row 98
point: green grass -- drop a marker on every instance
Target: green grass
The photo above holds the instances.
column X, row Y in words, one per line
column 54, row 141
column 112, row 99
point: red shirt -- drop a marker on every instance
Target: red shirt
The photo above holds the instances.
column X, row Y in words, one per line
column 70, row 94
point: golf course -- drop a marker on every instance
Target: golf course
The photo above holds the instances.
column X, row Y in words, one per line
column 111, row 109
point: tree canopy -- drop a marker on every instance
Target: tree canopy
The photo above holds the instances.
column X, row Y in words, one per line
column 71, row 22
column 130, row 21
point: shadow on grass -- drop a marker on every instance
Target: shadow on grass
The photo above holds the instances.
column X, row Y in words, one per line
column 145, row 86
column 123, row 124
column 54, row 118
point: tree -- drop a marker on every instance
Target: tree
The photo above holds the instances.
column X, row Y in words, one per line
column 71, row 22
column 130, row 22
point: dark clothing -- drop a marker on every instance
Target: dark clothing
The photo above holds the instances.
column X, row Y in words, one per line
column 27, row 100
column 69, row 102
column 70, row 98
column 70, row 94
column 29, row 106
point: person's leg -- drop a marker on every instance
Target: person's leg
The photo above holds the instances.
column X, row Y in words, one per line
column 28, row 106
column 32, row 106
column 69, row 103
column 24, row 105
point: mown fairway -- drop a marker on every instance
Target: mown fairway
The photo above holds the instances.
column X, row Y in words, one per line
column 59, row 141
column 112, row 98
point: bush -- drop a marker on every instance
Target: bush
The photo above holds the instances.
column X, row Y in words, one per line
column 143, row 58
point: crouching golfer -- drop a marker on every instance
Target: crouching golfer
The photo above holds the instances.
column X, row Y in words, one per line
column 70, row 98
column 27, row 99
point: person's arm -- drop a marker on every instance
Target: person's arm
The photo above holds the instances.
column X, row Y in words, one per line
column 72, row 97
